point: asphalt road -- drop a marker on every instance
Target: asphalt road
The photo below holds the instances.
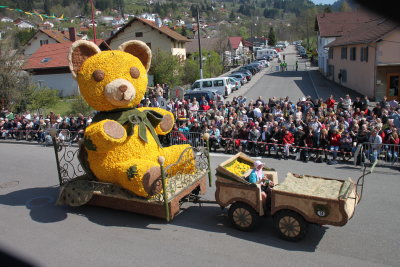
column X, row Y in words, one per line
column 307, row 81
column 44, row 234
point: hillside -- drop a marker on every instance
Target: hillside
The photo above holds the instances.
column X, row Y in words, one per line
column 290, row 19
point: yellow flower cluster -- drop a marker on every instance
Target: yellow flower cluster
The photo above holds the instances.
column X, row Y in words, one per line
column 115, row 64
column 238, row 168
column 117, row 158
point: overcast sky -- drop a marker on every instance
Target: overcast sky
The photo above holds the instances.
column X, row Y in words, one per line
column 323, row 1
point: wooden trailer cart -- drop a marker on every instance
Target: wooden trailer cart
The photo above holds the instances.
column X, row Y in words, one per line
column 298, row 201
column 78, row 186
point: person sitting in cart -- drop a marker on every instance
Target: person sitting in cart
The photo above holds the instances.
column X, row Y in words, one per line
column 257, row 177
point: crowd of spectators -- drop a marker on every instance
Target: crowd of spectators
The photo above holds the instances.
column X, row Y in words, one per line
column 307, row 129
column 35, row 127
column 317, row 129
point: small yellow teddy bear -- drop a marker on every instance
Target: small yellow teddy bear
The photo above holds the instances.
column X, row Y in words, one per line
column 122, row 142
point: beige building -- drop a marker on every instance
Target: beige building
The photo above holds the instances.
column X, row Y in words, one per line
column 44, row 37
column 156, row 36
column 367, row 59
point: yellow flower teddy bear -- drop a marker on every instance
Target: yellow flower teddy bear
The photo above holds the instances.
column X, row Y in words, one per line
column 122, row 142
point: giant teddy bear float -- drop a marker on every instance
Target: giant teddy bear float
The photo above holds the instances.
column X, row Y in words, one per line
column 122, row 142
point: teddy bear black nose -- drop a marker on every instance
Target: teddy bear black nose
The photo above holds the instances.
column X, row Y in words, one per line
column 123, row 88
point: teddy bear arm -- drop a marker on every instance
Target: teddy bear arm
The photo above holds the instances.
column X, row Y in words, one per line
column 166, row 124
column 104, row 135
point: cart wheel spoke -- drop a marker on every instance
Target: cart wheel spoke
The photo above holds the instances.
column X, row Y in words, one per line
column 242, row 216
column 290, row 225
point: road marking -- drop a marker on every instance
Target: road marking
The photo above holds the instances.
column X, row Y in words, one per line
column 312, row 81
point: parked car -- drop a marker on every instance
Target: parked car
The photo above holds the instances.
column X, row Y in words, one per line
column 258, row 65
column 236, row 83
column 246, row 72
column 240, row 76
column 210, row 95
column 249, row 68
column 222, row 85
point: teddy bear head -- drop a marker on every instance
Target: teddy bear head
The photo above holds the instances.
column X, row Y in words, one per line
column 110, row 79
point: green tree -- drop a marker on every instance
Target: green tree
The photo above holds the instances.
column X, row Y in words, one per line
column 232, row 16
column 23, row 36
column 41, row 98
column 166, row 68
column 79, row 105
column 183, row 31
column 271, row 37
column 191, row 71
column 212, row 64
column 345, row 7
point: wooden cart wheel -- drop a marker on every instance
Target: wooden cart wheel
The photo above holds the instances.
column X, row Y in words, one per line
column 290, row 225
column 243, row 217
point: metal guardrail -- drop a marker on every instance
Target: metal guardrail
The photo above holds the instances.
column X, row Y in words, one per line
column 384, row 154
column 301, row 67
column 191, row 138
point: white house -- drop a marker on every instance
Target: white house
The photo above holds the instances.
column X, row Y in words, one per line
column 6, row 19
column 118, row 21
column 106, row 19
column 49, row 67
column 148, row 16
column 24, row 24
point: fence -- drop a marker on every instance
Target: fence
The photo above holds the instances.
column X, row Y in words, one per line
column 386, row 154
column 191, row 138
column 302, row 66
column 43, row 136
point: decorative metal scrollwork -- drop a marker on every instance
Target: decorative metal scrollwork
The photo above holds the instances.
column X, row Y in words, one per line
column 68, row 165
column 191, row 165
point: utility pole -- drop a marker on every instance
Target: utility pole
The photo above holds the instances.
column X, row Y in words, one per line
column 198, row 37
column 93, row 23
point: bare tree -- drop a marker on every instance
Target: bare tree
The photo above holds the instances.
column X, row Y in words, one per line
column 13, row 81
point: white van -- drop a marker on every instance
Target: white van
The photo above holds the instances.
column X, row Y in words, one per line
column 267, row 52
column 221, row 84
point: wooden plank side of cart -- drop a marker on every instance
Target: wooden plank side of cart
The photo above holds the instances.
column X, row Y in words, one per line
column 340, row 210
column 229, row 191
column 147, row 207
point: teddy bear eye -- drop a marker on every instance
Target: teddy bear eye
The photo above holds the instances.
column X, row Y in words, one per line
column 135, row 73
column 98, row 75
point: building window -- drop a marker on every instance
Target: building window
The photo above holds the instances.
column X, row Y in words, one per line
column 149, row 45
column 364, row 54
column 138, row 34
column 44, row 42
column 343, row 75
column 344, row 53
column 353, row 51
column 330, row 53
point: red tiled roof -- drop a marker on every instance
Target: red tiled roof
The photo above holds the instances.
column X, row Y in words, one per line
column 366, row 33
column 339, row 23
column 235, row 41
column 51, row 56
column 163, row 29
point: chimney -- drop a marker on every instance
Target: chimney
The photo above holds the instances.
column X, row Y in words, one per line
column 72, row 34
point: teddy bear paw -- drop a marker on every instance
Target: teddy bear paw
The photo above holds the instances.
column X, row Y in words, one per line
column 114, row 129
column 152, row 183
column 167, row 123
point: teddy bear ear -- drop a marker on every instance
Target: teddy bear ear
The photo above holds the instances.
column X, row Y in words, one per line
column 79, row 52
column 138, row 49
